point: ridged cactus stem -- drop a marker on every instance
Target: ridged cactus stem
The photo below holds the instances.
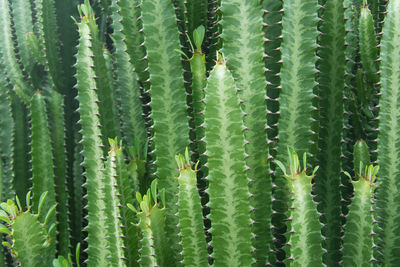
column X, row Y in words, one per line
column 243, row 46
column 8, row 56
column 228, row 184
column 304, row 229
column 298, row 80
column 56, row 123
column 190, row 215
column 92, row 148
column 42, row 162
column 358, row 231
column 21, row 157
column 7, row 148
column 331, row 82
column 361, row 157
column 112, row 212
column 388, row 196
column 155, row 249
column 168, row 96
column 22, row 18
column 108, row 110
column 127, row 86
column 125, row 178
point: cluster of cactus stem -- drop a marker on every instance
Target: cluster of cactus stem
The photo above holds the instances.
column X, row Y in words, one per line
column 167, row 132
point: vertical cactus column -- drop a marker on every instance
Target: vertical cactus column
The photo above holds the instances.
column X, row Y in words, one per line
column 304, row 246
column 6, row 141
column 91, row 148
column 331, row 83
column 298, row 80
column 190, row 215
column 228, row 184
column 127, row 87
column 358, row 234
column 388, row 193
column 155, row 249
column 42, row 163
column 56, row 124
column 243, row 46
column 168, row 99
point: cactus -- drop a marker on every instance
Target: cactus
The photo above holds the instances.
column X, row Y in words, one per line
column 167, row 97
column 155, row 251
column 242, row 39
column 42, row 161
column 330, row 92
column 29, row 232
column 91, row 147
column 226, row 176
column 309, row 74
column 388, row 152
column 304, row 236
column 190, row 215
column 358, row 235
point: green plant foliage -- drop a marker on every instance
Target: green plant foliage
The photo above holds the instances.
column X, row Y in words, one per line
column 13, row 72
column 108, row 111
column 111, row 201
column 361, row 157
column 56, row 124
column 315, row 75
column 127, row 87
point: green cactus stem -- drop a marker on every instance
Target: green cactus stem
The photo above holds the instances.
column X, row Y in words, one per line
column 228, row 184
column 190, row 214
column 388, row 196
column 91, row 147
column 304, row 229
column 155, row 249
column 358, row 231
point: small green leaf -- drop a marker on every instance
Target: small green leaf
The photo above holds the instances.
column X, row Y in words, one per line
column 28, row 200
column 281, row 166
column 4, row 206
column 198, row 36
column 41, row 201
column 162, row 196
column 49, row 213
column 139, row 197
column 77, row 254
column 18, row 203
column 131, row 207
column 154, row 190
column 4, row 229
column 6, row 244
